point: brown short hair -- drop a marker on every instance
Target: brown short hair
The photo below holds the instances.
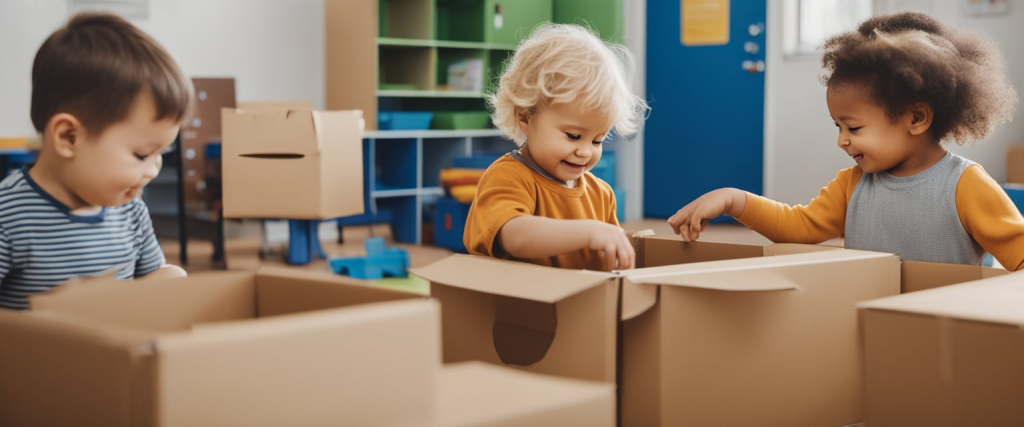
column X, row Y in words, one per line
column 910, row 57
column 96, row 65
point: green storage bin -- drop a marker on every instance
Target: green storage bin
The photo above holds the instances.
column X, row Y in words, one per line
column 518, row 17
column 461, row 120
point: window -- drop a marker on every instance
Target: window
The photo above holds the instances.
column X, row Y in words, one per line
column 807, row 23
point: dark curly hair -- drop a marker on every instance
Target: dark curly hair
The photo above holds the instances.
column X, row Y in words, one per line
column 910, row 57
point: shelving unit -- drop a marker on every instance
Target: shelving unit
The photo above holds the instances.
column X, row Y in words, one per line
column 405, row 173
column 412, row 43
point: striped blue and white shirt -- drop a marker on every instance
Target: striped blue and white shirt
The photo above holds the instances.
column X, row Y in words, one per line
column 43, row 244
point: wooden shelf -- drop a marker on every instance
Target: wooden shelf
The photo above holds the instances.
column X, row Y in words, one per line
column 391, row 41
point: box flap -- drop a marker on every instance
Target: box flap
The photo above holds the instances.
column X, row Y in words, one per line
column 158, row 304
column 479, row 394
column 637, row 298
column 510, row 278
column 282, row 290
column 671, row 249
column 996, row 300
column 919, row 275
column 748, row 274
column 275, row 105
column 59, row 370
column 350, row 366
column 272, row 134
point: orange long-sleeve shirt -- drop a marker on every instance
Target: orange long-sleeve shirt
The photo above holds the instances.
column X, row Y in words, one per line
column 509, row 189
column 986, row 213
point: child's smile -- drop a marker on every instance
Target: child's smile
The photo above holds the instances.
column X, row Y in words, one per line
column 565, row 140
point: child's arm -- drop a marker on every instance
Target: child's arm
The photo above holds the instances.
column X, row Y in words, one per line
column 151, row 256
column 822, row 219
column 530, row 237
column 990, row 217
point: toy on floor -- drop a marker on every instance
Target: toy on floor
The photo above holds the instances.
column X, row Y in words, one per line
column 380, row 261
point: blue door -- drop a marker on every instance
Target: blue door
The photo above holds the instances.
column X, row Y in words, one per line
column 706, row 127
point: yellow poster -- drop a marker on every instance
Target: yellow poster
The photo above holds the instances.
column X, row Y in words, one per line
column 704, row 22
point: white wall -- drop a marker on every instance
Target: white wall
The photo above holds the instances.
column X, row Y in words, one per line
column 630, row 154
column 273, row 48
column 800, row 140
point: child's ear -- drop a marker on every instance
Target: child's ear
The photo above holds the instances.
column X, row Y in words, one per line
column 65, row 133
column 921, row 115
column 524, row 120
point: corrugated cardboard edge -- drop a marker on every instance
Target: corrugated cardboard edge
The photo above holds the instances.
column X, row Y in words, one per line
column 992, row 300
column 477, row 273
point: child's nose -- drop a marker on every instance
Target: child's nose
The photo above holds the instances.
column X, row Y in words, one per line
column 153, row 167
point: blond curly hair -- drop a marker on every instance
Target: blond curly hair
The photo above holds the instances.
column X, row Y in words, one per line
column 563, row 63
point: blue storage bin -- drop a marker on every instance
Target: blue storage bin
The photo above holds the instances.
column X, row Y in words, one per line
column 404, row 120
column 449, row 224
column 1016, row 193
column 620, row 203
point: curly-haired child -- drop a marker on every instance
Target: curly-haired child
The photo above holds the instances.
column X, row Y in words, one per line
column 897, row 88
column 561, row 95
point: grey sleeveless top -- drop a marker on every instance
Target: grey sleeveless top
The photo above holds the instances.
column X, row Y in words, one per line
column 914, row 216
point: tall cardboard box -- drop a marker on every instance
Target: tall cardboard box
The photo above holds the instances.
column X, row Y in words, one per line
column 542, row 319
column 482, row 395
column 946, row 357
column 767, row 341
column 1015, row 164
column 271, row 348
column 294, row 164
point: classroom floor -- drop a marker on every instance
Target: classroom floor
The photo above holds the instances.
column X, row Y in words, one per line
column 243, row 252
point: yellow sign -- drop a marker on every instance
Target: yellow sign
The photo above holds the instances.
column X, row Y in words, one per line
column 704, row 22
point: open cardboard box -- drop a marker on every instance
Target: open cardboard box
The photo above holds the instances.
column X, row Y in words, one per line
column 946, row 357
column 292, row 163
column 757, row 341
column 695, row 325
column 483, row 395
column 268, row 348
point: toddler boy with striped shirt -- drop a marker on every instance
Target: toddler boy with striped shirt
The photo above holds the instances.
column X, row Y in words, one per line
column 107, row 100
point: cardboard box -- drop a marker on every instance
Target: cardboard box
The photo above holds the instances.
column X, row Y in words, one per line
column 294, row 164
column 769, row 341
column 272, row 348
column 919, row 275
column 482, row 395
column 946, row 357
column 1015, row 164
column 542, row 319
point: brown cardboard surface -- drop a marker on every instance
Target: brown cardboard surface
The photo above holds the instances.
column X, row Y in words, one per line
column 775, row 336
column 351, row 32
column 295, row 164
column 184, row 352
column 946, row 357
column 663, row 250
column 510, row 278
column 309, row 369
column 275, row 105
column 546, row 320
column 1015, row 164
column 918, row 275
column 481, row 395
column 50, row 359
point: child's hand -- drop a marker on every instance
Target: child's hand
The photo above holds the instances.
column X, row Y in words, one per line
column 618, row 251
column 693, row 218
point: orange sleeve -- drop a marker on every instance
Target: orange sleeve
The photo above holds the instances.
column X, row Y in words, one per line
column 822, row 219
column 505, row 191
column 990, row 217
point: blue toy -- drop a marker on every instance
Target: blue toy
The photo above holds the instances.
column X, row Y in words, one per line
column 379, row 261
